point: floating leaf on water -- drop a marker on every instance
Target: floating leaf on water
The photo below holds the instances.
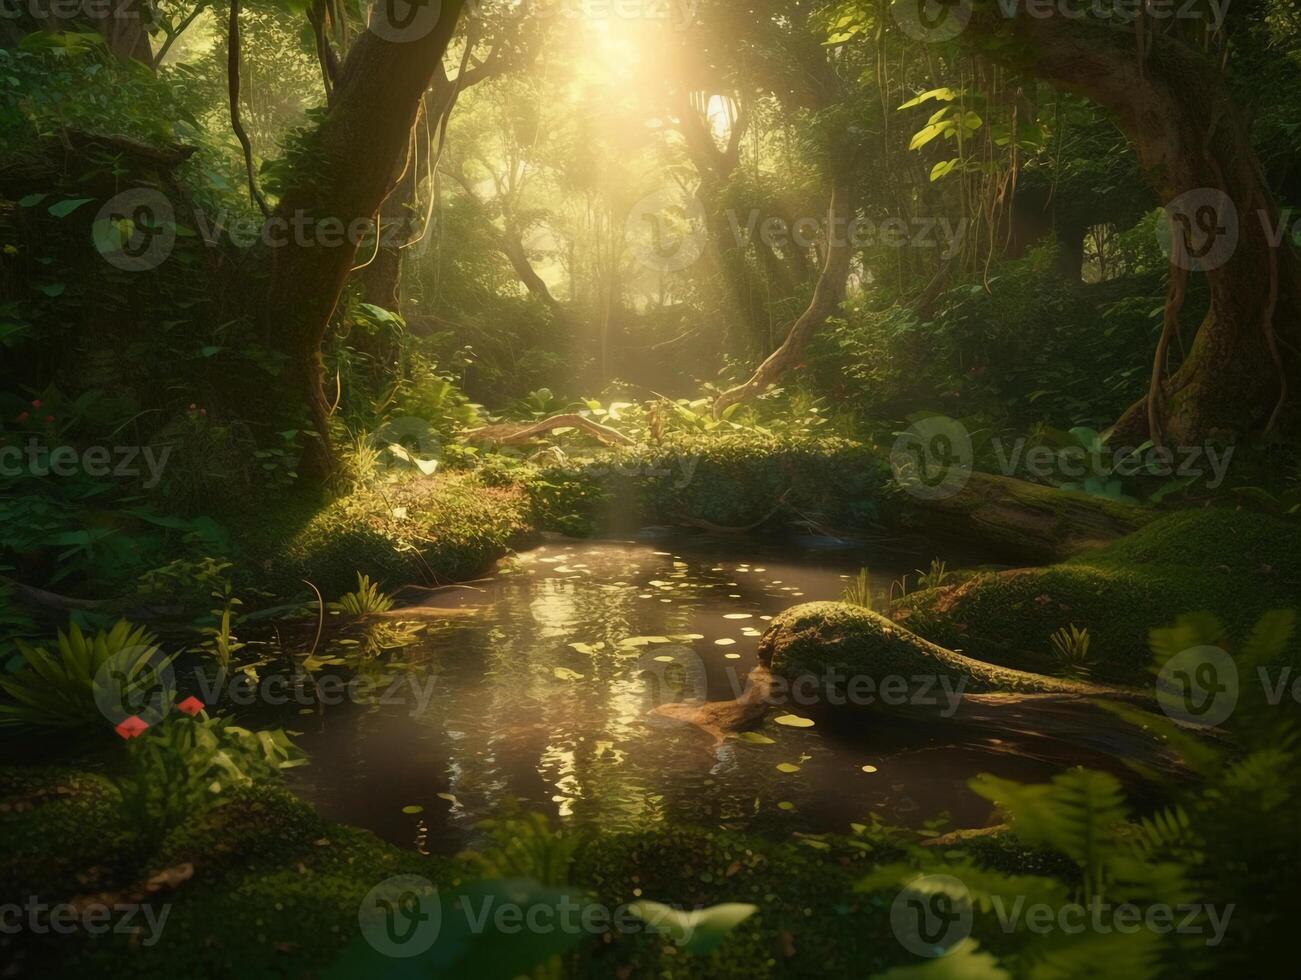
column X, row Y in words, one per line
column 565, row 674
column 869, row 769
column 724, row 642
column 450, row 798
column 732, row 656
column 664, row 660
column 643, row 641
column 739, row 616
column 413, row 809
column 686, row 637
column 787, row 767
column 588, row 648
column 794, row 721
column 754, row 738
column 785, row 805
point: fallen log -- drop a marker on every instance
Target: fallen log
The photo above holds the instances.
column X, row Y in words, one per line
column 1030, row 521
column 514, row 435
column 824, row 652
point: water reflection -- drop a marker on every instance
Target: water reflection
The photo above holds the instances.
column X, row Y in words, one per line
column 542, row 696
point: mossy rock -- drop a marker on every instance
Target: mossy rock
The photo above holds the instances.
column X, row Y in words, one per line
column 835, row 641
column 1235, row 564
column 449, row 528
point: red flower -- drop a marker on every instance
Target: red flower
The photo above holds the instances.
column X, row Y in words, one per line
column 22, row 416
column 191, row 706
column 36, row 403
column 133, row 727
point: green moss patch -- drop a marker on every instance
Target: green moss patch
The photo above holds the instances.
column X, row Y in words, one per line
column 448, row 528
column 259, row 887
column 1235, row 564
column 730, row 481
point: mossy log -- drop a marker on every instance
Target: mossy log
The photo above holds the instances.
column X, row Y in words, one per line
column 1026, row 520
column 838, row 656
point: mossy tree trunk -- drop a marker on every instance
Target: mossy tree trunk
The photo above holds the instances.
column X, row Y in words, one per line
column 1192, row 142
column 355, row 153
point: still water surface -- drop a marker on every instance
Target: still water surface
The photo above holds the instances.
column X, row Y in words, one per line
column 542, row 693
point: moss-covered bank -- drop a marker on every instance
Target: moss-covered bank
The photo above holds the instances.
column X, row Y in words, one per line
column 447, row 528
column 731, row 481
column 1235, row 564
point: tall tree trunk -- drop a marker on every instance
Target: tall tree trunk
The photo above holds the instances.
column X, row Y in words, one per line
column 1193, row 144
column 827, row 297
column 356, row 152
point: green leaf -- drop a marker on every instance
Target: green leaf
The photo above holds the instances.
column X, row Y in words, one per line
column 1268, row 640
column 65, row 208
column 1077, row 813
column 942, row 94
column 31, row 200
column 794, row 721
column 928, row 133
column 943, row 168
column 698, row 931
